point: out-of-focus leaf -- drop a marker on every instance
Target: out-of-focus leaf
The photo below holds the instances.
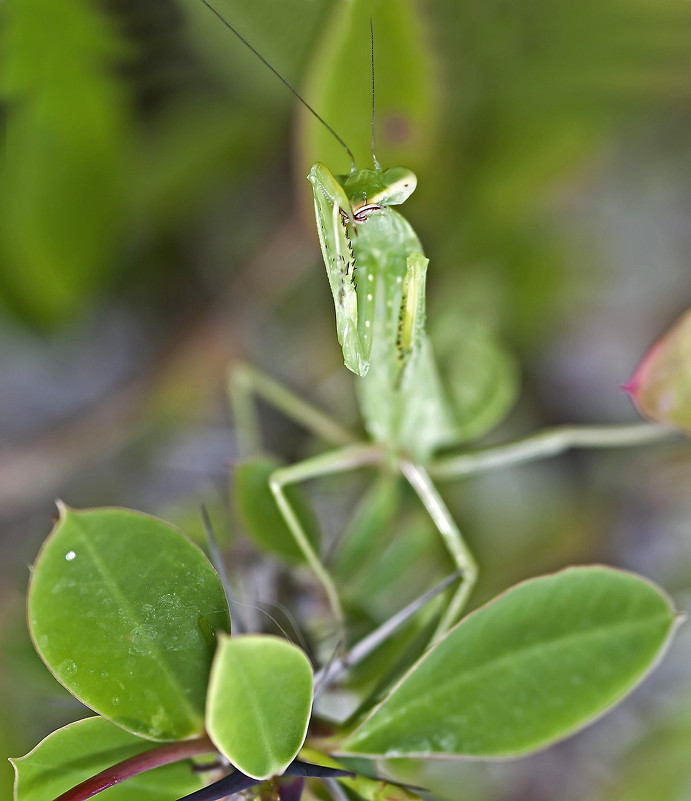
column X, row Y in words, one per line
column 260, row 516
column 339, row 87
column 368, row 527
column 64, row 162
column 661, row 386
column 284, row 35
column 123, row 609
column 481, row 377
column 259, row 704
column 80, row 750
column 531, row 667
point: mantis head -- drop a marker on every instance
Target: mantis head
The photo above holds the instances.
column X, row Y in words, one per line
column 341, row 203
column 378, row 187
column 362, row 189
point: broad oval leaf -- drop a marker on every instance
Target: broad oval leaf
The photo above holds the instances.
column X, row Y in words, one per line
column 122, row 609
column 80, row 750
column 259, row 703
column 260, row 516
column 532, row 666
column 661, row 386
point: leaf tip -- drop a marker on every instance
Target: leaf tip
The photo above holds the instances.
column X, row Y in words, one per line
column 631, row 386
column 63, row 509
column 636, row 383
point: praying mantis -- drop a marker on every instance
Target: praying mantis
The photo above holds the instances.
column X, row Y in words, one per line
column 377, row 274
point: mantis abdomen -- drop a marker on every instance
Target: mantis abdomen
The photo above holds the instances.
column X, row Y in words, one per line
column 401, row 397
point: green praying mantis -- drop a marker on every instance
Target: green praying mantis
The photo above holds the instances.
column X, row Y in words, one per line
column 377, row 274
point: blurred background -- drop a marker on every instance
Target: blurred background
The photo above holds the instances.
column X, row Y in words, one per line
column 156, row 227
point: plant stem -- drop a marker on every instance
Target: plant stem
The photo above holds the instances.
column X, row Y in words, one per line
column 140, row 763
column 333, row 671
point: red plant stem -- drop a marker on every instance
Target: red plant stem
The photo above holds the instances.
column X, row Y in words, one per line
column 153, row 758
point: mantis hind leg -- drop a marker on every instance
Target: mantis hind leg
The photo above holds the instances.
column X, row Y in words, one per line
column 420, row 481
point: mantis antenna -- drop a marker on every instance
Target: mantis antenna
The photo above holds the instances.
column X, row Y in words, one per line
column 371, row 32
column 286, row 83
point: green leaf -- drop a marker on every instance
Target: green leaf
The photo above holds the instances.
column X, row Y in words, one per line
column 259, row 704
column 260, row 516
column 661, row 386
column 123, row 610
column 532, row 666
column 76, row 752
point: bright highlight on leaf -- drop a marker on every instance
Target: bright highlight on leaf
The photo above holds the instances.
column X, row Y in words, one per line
column 531, row 667
column 123, row 610
column 661, row 386
column 259, row 703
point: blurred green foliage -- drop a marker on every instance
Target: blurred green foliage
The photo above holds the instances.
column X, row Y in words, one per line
column 67, row 136
column 120, row 124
